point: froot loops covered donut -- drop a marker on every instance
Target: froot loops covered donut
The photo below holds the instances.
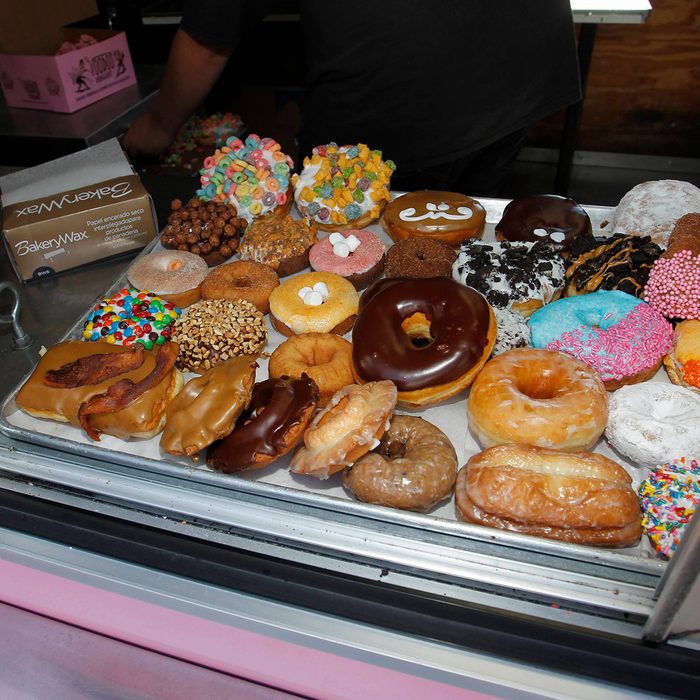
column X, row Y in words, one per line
column 131, row 317
column 621, row 337
column 252, row 175
column 343, row 186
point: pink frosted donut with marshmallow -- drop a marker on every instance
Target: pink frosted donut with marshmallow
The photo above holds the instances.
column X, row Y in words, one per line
column 357, row 255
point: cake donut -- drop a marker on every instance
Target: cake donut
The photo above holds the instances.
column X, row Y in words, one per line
column 669, row 496
column 683, row 361
column 519, row 276
column 430, row 337
column 419, row 257
column 621, row 337
column 349, row 426
column 538, row 397
column 582, row 497
column 242, row 279
column 557, row 221
column 314, row 302
column 449, row 217
column 343, row 186
column 414, row 467
column 654, row 422
column 175, row 275
column 252, row 175
column 215, row 330
column 357, row 255
column 131, row 317
column 279, row 412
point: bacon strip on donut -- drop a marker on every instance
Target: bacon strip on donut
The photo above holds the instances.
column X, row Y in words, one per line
column 95, row 369
column 124, row 392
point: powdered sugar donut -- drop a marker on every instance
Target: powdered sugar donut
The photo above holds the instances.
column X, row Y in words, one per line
column 654, row 422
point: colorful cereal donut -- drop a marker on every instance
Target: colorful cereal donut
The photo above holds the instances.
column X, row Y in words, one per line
column 346, row 186
column 131, row 317
column 621, row 337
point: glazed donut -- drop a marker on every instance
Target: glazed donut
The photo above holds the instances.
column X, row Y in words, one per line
column 282, row 243
column 518, row 276
column 538, row 397
column 621, row 337
column 354, row 254
column 215, row 330
column 343, row 187
column 347, row 428
column 419, row 257
column 252, row 176
column 325, row 357
column 131, row 317
column 414, row 467
column 428, row 336
column 314, row 302
column 557, row 221
column 271, row 426
column 683, row 361
column 443, row 216
column 581, row 497
column 207, row 407
column 175, row 275
column 654, row 422
column 242, row 279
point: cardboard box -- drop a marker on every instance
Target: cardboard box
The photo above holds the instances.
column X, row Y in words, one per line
column 71, row 81
column 75, row 210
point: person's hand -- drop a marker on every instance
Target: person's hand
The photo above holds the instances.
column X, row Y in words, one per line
column 147, row 136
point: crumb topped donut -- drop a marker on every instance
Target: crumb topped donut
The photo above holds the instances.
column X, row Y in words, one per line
column 343, row 186
column 449, row 217
column 242, row 279
column 419, row 257
column 683, row 361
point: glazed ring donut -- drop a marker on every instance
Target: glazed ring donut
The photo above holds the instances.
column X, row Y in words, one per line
column 279, row 412
column 325, row 357
column 242, row 279
column 413, row 468
column 538, row 397
column 175, row 275
column 346, row 429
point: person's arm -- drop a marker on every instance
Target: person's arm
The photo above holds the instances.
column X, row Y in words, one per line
column 192, row 70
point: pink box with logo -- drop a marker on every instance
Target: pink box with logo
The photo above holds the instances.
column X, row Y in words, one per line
column 70, row 81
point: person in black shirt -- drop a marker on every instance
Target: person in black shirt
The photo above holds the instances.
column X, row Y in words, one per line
column 446, row 89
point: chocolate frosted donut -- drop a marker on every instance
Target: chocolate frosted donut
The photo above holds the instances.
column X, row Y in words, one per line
column 545, row 217
column 419, row 257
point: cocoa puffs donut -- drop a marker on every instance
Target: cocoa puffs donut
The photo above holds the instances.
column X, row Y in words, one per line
column 419, row 257
column 428, row 336
column 243, row 279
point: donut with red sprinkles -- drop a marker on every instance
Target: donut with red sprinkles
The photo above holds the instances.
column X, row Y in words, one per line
column 673, row 287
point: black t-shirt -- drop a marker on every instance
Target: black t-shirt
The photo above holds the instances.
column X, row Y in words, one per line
column 425, row 82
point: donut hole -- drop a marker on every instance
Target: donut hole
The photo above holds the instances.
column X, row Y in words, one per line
column 174, row 265
column 392, row 449
column 417, row 328
column 244, row 282
column 540, row 388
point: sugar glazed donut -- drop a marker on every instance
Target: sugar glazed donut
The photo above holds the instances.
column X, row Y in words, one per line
column 348, row 427
column 414, row 467
column 621, row 337
column 430, row 337
column 538, row 397
column 314, row 302
column 242, row 279
column 343, row 187
column 683, row 361
column 420, row 257
column 584, row 497
column 449, row 217
column 654, row 422
column 271, row 426
column 325, row 357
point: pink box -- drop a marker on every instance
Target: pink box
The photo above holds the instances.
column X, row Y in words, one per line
column 70, row 81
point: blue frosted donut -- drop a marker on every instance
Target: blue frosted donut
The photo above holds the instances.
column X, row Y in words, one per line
column 621, row 337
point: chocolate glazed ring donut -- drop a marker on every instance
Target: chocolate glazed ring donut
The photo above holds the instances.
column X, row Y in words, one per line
column 428, row 336
column 549, row 218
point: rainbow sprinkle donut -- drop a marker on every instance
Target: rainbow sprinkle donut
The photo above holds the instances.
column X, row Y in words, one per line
column 343, row 186
column 131, row 317
column 618, row 335
column 669, row 497
column 252, row 175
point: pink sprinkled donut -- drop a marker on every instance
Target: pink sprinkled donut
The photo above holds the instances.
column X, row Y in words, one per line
column 357, row 255
column 673, row 287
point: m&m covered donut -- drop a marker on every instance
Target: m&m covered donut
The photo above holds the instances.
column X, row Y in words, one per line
column 343, row 186
column 252, row 175
column 131, row 317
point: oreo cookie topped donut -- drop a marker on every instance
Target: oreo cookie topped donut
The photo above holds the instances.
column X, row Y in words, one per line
column 518, row 276
column 558, row 221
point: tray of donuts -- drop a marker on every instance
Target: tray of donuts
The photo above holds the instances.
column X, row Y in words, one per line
column 491, row 363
